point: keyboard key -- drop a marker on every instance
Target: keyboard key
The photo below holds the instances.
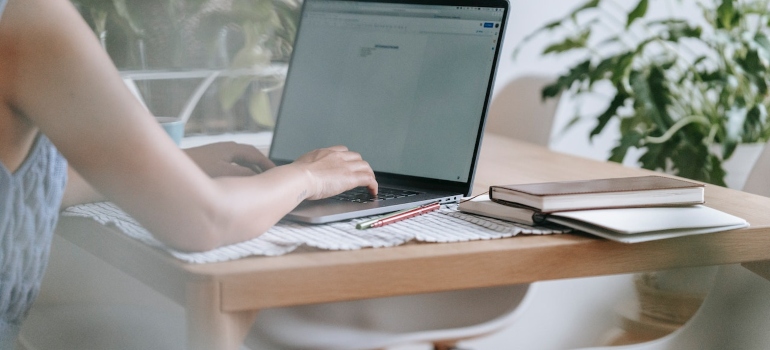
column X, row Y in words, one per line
column 362, row 195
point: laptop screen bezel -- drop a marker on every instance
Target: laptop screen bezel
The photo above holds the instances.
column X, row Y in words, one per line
column 385, row 178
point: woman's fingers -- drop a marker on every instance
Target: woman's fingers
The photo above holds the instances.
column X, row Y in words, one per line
column 336, row 169
column 229, row 159
column 250, row 157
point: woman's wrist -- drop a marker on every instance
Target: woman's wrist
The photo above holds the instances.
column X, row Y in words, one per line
column 296, row 181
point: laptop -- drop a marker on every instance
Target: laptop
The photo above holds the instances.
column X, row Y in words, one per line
column 404, row 83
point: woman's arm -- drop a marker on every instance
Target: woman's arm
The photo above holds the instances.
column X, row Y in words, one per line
column 65, row 84
column 216, row 159
column 78, row 191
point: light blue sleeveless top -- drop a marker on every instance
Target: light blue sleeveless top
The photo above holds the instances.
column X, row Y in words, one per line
column 29, row 208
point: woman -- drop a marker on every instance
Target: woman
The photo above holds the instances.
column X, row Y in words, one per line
column 60, row 91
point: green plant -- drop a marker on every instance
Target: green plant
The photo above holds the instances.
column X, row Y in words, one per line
column 264, row 29
column 269, row 27
column 685, row 93
column 199, row 34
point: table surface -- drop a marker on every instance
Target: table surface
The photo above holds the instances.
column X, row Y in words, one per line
column 223, row 297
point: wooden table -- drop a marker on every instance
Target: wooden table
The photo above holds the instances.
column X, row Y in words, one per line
column 222, row 299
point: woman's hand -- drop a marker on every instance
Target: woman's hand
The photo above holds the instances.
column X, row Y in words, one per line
column 334, row 170
column 229, row 159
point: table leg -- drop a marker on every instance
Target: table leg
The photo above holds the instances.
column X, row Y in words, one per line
column 210, row 328
column 761, row 268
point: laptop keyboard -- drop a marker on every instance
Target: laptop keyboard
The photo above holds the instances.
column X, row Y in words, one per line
column 362, row 195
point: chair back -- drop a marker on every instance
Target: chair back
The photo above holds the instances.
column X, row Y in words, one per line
column 518, row 110
column 393, row 321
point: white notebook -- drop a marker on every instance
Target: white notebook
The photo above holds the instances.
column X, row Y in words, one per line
column 632, row 225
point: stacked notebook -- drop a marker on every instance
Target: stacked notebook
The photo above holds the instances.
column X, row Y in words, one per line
column 629, row 210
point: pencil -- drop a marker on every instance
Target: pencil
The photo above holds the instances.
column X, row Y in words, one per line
column 399, row 216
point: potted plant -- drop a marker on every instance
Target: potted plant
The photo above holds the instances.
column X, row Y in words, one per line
column 686, row 93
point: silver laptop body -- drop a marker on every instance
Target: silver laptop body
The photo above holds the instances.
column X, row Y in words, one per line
column 405, row 83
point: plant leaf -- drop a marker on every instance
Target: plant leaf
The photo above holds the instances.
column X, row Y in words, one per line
column 717, row 76
column 259, row 109
column 699, row 60
column 666, row 22
column 752, row 63
column 654, row 158
column 716, row 173
column 588, row 5
column 577, row 73
column 653, row 96
column 124, row 11
column 622, row 70
column 626, row 141
column 606, row 42
column 612, row 66
column 552, row 25
column 572, row 122
column 694, row 161
column 529, row 37
column 764, row 43
column 627, row 125
column 231, row 91
column 728, row 148
column 618, row 101
column 753, row 126
column 638, row 12
column 551, row 90
column 725, row 14
column 691, row 161
column 571, row 43
column 677, row 32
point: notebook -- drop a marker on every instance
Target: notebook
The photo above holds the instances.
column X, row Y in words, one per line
column 637, row 191
column 405, row 83
column 632, row 225
column 484, row 206
column 627, row 225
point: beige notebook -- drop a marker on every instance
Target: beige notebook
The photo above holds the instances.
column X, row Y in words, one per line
column 641, row 191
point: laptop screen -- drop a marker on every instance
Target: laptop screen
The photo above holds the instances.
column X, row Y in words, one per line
column 405, row 85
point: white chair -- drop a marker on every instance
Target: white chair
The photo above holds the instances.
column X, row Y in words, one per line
column 438, row 318
column 735, row 315
column 736, row 312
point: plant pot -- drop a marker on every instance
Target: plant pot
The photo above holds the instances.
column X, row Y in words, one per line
column 740, row 163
